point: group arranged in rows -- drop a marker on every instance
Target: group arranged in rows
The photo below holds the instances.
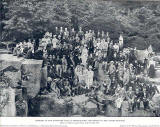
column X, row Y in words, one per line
column 91, row 63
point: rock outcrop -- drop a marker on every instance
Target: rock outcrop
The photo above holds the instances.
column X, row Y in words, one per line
column 23, row 76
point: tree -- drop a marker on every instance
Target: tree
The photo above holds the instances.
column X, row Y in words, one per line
column 138, row 21
column 25, row 18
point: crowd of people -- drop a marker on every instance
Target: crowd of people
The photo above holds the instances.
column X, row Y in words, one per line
column 90, row 63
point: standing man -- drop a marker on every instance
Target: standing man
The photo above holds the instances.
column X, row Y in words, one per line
column 56, row 32
column 116, row 50
column 54, row 42
column 66, row 34
column 89, row 81
column 80, row 33
column 61, row 31
column 64, row 64
column 112, row 69
column 84, row 56
column 121, row 41
column 72, row 34
column 59, row 66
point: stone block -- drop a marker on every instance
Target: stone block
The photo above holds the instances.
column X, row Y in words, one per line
column 111, row 111
column 31, row 76
column 91, row 109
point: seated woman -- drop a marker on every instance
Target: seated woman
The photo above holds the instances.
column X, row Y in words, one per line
column 75, row 86
column 54, row 88
column 67, row 88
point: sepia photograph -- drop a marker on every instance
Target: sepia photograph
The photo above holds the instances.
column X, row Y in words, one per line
column 79, row 58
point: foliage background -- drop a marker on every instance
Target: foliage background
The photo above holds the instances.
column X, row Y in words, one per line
column 138, row 21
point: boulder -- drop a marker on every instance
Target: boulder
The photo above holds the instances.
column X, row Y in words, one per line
column 76, row 110
column 78, row 104
column 51, row 107
column 11, row 66
column 90, row 109
column 79, row 99
column 124, row 109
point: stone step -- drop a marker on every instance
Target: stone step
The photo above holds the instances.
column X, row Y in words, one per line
column 4, row 51
column 157, row 67
column 158, row 54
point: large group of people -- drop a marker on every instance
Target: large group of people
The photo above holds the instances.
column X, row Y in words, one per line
column 91, row 63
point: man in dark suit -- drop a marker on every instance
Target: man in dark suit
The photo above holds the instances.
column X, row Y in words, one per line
column 130, row 96
column 138, row 98
column 145, row 98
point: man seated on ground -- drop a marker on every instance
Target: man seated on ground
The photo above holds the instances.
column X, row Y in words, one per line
column 120, row 96
column 53, row 87
column 75, row 86
column 67, row 88
column 29, row 44
column 38, row 53
column 145, row 98
column 20, row 50
column 138, row 98
column 111, row 69
column 153, row 90
column 30, row 53
column 130, row 98
column 15, row 50
column 82, row 88
column 100, row 98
